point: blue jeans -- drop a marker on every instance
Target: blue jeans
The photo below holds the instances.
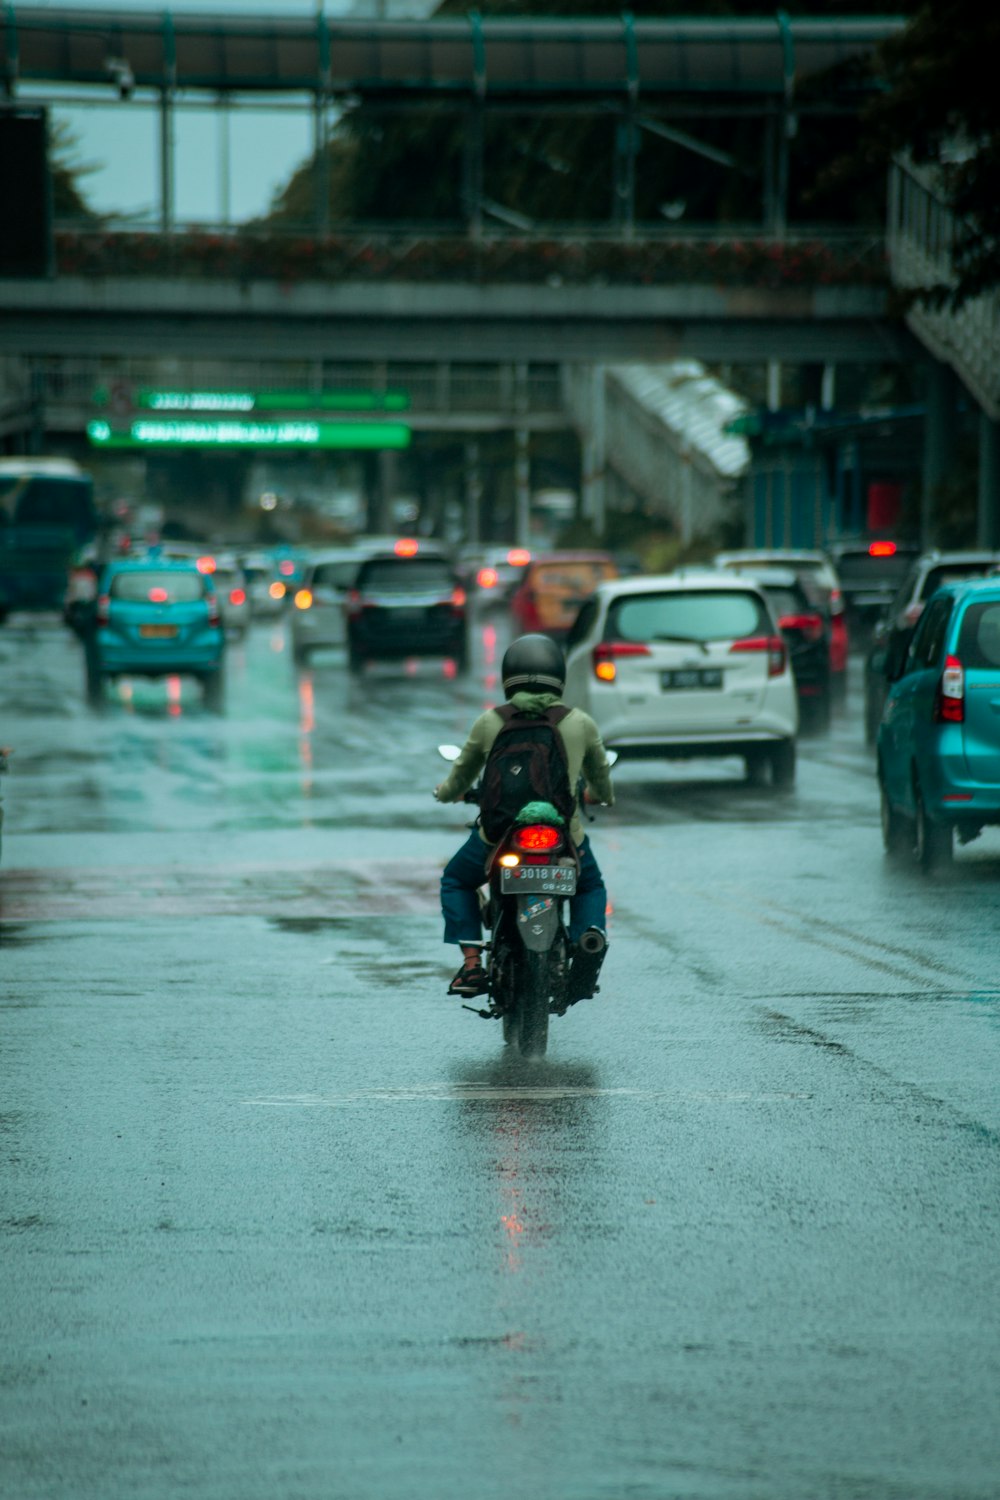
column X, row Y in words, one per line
column 466, row 871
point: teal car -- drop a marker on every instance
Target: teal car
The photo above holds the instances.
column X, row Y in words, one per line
column 939, row 737
column 156, row 617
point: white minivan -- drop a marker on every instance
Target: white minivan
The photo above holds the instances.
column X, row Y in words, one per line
column 684, row 665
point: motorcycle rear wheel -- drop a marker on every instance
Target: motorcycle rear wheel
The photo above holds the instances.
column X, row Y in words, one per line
column 534, row 987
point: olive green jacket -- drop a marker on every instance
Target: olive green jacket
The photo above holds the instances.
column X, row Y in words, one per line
column 584, row 753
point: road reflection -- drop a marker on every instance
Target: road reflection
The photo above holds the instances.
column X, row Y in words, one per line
column 531, row 1130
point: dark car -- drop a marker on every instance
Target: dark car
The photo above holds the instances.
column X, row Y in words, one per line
column 870, row 574
column 939, row 739
column 804, row 621
column 895, row 628
column 408, row 602
column 820, row 578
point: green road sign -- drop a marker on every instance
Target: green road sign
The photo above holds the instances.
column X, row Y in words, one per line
column 235, row 432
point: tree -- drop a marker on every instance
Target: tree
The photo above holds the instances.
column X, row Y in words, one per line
column 941, row 108
column 66, row 172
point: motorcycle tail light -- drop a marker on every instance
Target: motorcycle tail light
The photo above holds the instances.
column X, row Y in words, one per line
column 537, row 837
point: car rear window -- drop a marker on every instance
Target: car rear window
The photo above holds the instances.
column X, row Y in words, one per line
column 862, row 568
column 178, row 587
column 688, row 615
column 338, row 575
column 788, row 601
column 979, row 637
column 952, row 573
column 403, row 575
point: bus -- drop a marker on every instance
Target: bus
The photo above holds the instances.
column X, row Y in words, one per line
column 47, row 515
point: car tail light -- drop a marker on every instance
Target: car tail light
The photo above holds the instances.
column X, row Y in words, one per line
column 407, row 546
column 537, row 837
column 838, row 643
column 518, row 557
column 836, row 602
column 604, row 655
column 214, row 619
column 882, row 549
column 777, row 654
column 286, row 568
column 277, row 590
column 158, row 596
column 810, row 627
column 458, row 598
column 303, row 599
column 951, row 693
column 353, row 602
column 237, row 596
column 206, row 565
column 103, row 610
column 487, row 578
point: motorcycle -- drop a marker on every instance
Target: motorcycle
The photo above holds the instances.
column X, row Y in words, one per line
column 531, row 874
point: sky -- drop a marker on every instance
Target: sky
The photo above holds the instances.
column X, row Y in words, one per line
column 120, row 140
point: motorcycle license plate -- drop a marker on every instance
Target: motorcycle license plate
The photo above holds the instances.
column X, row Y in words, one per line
column 548, row 880
column 692, row 677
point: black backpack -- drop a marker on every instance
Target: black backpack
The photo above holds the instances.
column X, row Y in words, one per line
column 527, row 763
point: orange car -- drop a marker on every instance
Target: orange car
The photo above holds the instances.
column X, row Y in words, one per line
column 554, row 586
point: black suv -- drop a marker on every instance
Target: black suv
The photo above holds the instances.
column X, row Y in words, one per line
column 870, row 575
column 895, row 628
column 408, row 602
column 804, row 621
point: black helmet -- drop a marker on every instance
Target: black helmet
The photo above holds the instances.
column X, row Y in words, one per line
column 533, row 663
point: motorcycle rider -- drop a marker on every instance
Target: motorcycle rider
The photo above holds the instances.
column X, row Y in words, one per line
column 534, row 674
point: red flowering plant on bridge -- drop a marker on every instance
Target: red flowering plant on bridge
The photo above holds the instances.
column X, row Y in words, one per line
column 249, row 255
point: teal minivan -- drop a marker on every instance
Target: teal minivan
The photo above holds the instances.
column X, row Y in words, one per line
column 939, row 738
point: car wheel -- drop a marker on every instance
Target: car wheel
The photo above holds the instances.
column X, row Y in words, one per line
column 935, row 842
column 782, row 758
column 215, row 690
column 897, row 832
column 757, row 764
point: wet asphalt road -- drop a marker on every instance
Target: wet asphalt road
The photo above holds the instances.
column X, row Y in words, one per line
column 279, row 1222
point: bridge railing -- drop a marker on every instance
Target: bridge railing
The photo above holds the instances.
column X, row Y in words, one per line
column 732, row 255
column 921, row 231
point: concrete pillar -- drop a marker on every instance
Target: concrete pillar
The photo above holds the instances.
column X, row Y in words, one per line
column 939, row 441
column 988, row 529
column 522, row 488
column 166, row 161
column 473, row 492
column 595, row 453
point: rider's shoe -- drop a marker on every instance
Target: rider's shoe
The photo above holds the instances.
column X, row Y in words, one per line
column 469, row 981
column 588, row 956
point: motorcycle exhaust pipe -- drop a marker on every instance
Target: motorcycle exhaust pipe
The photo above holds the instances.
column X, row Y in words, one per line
column 593, row 941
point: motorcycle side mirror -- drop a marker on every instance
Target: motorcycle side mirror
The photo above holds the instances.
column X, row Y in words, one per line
column 612, row 757
column 449, row 752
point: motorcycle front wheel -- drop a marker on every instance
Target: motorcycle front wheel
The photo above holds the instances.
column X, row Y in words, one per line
column 534, row 988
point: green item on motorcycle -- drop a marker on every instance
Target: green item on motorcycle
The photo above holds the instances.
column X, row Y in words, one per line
column 540, row 812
